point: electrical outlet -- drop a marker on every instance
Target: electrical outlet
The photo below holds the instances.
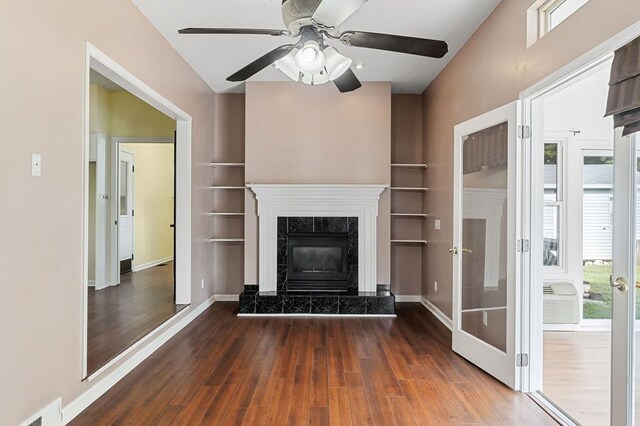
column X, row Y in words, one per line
column 202, row 283
column 435, row 286
column 436, row 223
column 485, row 318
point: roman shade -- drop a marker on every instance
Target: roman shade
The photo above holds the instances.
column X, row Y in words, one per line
column 486, row 149
column 623, row 101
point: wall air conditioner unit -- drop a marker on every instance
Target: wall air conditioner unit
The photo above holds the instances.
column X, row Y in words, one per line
column 560, row 304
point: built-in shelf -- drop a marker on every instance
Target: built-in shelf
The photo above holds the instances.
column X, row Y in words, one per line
column 226, row 187
column 409, row 214
column 226, row 240
column 225, row 214
column 226, row 164
column 410, row 165
column 409, row 241
column 408, row 188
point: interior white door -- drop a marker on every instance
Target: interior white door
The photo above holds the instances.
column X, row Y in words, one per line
column 484, row 256
column 125, row 206
column 103, row 216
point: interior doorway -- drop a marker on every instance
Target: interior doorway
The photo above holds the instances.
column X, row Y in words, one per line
column 137, row 173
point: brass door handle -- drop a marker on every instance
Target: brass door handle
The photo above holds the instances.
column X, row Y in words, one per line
column 453, row 250
column 466, row 250
column 620, row 283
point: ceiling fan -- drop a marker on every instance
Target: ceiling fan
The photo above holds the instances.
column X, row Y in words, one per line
column 309, row 60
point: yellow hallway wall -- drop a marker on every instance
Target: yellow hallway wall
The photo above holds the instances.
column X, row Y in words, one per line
column 153, row 201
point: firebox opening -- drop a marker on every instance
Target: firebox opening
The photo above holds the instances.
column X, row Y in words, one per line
column 317, row 261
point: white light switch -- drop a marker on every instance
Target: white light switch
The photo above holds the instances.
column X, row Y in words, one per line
column 36, row 165
column 436, row 223
column 485, row 318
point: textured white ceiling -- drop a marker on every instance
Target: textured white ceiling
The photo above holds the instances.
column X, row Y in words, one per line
column 215, row 57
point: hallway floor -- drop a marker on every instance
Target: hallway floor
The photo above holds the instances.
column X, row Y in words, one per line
column 120, row 315
column 222, row 369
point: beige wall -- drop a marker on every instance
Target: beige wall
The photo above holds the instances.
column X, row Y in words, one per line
column 153, row 201
column 43, row 92
column 492, row 68
column 315, row 135
column 130, row 116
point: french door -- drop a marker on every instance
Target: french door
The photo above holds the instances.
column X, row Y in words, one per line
column 624, row 281
column 485, row 254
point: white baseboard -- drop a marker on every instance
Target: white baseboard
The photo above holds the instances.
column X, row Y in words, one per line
column 75, row 407
column 91, row 283
column 437, row 313
column 139, row 268
column 403, row 298
column 226, row 297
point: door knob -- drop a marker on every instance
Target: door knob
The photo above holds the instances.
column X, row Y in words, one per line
column 620, row 283
column 453, row 250
column 466, row 250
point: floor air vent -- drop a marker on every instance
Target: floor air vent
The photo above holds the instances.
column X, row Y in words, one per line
column 561, row 303
column 49, row 416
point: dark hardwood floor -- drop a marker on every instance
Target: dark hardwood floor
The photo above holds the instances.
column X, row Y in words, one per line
column 226, row 370
column 119, row 316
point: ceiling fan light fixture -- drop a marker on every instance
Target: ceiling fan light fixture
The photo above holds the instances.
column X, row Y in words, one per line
column 309, row 58
column 288, row 66
column 335, row 63
column 316, row 79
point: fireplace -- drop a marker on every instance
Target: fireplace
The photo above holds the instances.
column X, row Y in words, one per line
column 317, row 261
column 317, row 254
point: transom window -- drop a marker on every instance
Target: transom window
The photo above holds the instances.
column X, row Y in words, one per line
column 552, row 12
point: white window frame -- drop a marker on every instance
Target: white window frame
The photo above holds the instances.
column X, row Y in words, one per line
column 544, row 15
column 560, row 202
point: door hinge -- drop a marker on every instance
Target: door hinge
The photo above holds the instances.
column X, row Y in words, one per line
column 523, row 246
column 133, row 212
column 133, row 169
column 524, row 132
column 522, row 360
column 132, row 256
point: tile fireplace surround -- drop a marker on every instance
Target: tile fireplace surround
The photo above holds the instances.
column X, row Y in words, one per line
column 309, row 205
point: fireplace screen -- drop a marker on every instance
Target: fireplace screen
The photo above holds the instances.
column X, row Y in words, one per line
column 317, row 261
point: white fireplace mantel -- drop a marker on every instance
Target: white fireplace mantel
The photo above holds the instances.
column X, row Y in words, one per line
column 282, row 200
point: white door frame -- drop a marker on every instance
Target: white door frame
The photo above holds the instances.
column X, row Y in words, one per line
column 115, row 207
column 97, row 60
column 532, row 206
column 501, row 365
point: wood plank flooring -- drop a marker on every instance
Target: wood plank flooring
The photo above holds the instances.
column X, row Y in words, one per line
column 226, row 370
column 119, row 316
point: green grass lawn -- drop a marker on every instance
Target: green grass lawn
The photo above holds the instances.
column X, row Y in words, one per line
column 598, row 277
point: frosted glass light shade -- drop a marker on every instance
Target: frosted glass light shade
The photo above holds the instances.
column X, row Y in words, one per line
column 335, row 63
column 289, row 66
column 309, row 58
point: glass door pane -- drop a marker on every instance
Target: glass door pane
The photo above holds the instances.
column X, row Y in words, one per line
column 484, row 236
column 597, row 225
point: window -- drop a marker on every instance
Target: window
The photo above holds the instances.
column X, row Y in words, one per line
column 553, row 204
column 552, row 12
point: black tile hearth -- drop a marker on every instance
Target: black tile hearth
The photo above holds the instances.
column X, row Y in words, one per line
column 269, row 304
column 381, row 302
column 352, row 305
column 327, row 305
column 247, row 303
column 297, row 304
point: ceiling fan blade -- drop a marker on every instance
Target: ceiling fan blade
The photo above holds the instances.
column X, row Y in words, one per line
column 332, row 13
column 261, row 63
column 347, row 82
column 395, row 43
column 234, row 31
